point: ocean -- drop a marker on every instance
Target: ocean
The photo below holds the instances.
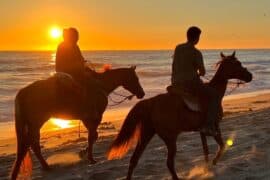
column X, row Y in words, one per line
column 18, row 69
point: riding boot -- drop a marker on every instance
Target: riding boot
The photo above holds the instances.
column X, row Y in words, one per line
column 212, row 116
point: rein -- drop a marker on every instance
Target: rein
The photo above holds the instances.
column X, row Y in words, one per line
column 237, row 85
column 129, row 97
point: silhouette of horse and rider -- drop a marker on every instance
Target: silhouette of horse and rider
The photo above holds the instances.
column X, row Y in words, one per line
column 78, row 92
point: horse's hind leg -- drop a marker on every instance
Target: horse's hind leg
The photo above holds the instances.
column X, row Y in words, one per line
column 146, row 136
column 171, row 146
column 21, row 152
column 221, row 147
column 205, row 146
column 35, row 145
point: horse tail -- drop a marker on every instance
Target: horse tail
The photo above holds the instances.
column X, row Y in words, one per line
column 129, row 134
column 23, row 161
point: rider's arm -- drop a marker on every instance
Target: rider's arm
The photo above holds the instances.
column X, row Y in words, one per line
column 81, row 58
column 59, row 59
column 200, row 64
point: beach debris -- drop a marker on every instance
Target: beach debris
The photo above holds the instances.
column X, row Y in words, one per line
column 106, row 126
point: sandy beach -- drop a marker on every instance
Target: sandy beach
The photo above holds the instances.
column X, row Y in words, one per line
column 246, row 124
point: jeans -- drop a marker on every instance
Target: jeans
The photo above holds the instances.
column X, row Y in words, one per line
column 207, row 95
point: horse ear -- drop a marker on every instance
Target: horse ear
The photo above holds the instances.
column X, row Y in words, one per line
column 222, row 55
column 133, row 67
column 233, row 54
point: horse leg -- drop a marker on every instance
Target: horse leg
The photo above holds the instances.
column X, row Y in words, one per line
column 21, row 152
column 221, row 147
column 205, row 146
column 171, row 146
column 35, row 145
column 146, row 136
column 92, row 137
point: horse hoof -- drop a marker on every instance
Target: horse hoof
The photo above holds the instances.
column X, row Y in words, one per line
column 176, row 178
column 46, row 168
column 92, row 161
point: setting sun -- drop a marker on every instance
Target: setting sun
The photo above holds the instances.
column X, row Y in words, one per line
column 55, row 32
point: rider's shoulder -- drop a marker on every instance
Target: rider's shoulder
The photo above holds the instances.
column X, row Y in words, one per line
column 181, row 46
column 61, row 46
column 197, row 51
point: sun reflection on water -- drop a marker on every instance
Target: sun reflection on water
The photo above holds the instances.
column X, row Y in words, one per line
column 53, row 56
column 52, row 60
column 61, row 123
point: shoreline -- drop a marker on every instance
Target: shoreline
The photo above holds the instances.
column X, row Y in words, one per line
column 234, row 105
column 7, row 129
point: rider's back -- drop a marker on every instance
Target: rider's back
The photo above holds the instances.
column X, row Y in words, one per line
column 69, row 60
column 187, row 59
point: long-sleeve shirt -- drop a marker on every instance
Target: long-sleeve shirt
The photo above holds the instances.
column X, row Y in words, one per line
column 187, row 61
column 69, row 60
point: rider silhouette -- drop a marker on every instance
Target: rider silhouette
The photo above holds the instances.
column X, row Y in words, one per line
column 68, row 56
column 69, row 60
column 187, row 68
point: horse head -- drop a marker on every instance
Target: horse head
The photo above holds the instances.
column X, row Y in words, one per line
column 231, row 68
column 132, row 84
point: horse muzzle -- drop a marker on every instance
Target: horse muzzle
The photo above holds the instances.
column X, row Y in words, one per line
column 140, row 95
column 248, row 76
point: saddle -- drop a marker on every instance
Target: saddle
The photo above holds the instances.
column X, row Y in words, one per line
column 192, row 102
column 67, row 82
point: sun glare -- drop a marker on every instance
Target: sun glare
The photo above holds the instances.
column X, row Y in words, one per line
column 60, row 123
column 55, row 32
column 229, row 142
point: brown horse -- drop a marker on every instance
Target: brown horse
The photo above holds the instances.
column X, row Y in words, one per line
column 44, row 99
column 167, row 115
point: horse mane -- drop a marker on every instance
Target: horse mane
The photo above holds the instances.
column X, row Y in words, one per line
column 217, row 64
column 109, row 73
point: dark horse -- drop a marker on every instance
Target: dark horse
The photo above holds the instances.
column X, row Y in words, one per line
column 39, row 101
column 168, row 115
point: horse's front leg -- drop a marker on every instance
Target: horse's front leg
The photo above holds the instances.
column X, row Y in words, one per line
column 205, row 146
column 221, row 147
column 92, row 137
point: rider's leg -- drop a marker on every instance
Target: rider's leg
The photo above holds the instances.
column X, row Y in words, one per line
column 212, row 109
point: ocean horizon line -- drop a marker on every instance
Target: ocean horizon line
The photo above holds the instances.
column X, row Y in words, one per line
column 136, row 50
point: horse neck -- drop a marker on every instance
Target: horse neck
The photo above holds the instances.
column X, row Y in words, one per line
column 112, row 79
column 219, row 83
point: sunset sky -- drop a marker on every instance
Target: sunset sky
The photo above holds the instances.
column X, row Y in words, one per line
column 135, row 24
